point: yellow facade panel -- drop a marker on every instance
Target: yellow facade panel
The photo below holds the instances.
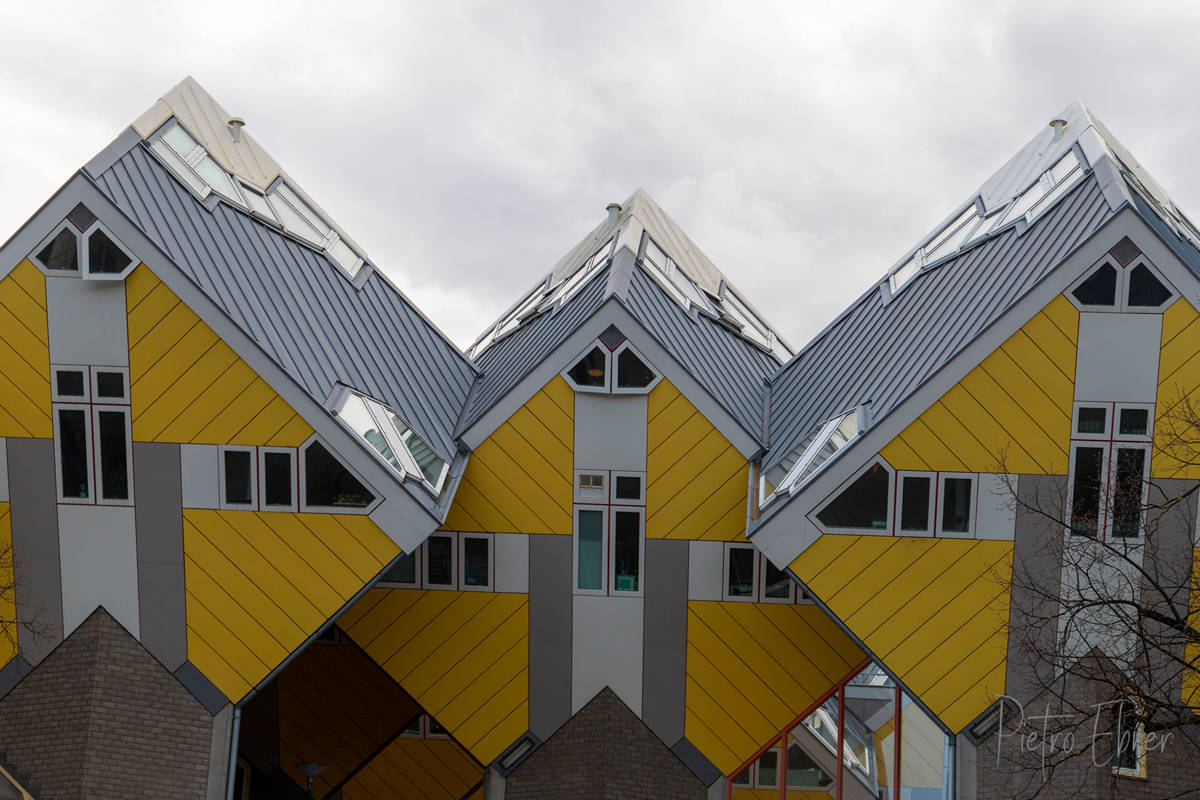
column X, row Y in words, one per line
column 24, row 355
column 8, row 605
column 416, row 769
column 1175, row 452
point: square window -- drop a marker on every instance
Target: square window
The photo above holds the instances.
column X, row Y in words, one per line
column 628, row 487
column 69, row 383
column 110, row 385
column 1134, row 422
column 403, row 572
column 1092, row 420
column 237, row 471
column 956, row 505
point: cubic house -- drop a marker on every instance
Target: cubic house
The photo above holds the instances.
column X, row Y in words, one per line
column 269, row 534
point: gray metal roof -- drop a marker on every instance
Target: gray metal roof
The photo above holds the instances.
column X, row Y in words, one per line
column 881, row 353
column 298, row 305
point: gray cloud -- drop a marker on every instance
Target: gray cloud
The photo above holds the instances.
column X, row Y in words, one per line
column 467, row 146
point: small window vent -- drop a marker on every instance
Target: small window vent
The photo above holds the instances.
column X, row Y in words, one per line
column 612, row 338
column 1125, row 251
column 81, row 217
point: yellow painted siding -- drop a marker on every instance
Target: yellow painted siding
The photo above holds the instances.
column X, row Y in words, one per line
column 1015, row 404
column 464, row 656
column 416, row 769
column 188, row 386
column 696, row 480
column 935, row 611
column 24, row 355
column 519, row 479
column 8, row 599
column 260, row 583
column 1175, row 451
column 752, row 668
column 1191, row 678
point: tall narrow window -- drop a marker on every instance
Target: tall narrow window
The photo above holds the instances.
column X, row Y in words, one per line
column 627, row 546
column 439, row 561
column 73, row 453
column 739, row 572
column 239, row 477
column 956, row 505
column 114, row 454
column 914, row 503
column 476, row 562
column 277, row 478
column 1085, row 490
column 590, row 550
column 1127, row 492
column 776, row 583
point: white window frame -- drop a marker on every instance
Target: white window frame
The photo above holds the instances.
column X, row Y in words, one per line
column 1105, row 464
column 612, row 488
column 1117, row 436
column 79, row 252
column 378, row 411
column 726, row 556
column 934, row 485
column 55, row 397
column 887, row 529
column 93, row 386
column 1108, row 493
column 590, row 496
column 612, row 378
column 302, row 482
column 253, row 504
column 418, row 556
column 756, row 780
column 824, row 432
column 1122, row 299
column 939, row 524
column 84, row 270
column 1104, row 435
column 461, row 562
column 608, row 369
column 90, row 458
column 760, row 584
column 262, row 478
column 604, row 553
column 454, row 559
column 611, row 551
column 125, row 412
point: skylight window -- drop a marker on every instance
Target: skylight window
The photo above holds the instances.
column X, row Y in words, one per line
column 579, row 278
column 188, row 159
column 393, row 440
column 818, row 448
column 526, row 309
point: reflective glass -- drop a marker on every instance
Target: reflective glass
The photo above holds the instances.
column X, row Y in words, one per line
column 904, row 274
column 1092, row 419
column 1134, row 421
column 69, row 383
column 177, row 166
column 1145, row 290
column 1127, row 493
column 180, row 141
column 72, row 452
column 914, row 503
column 346, row 258
column 109, row 384
column 956, row 505
column 258, row 203
column 591, row 550
column 627, row 487
column 1100, row 289
column 277, row 479
column 328, row 483
column 863, row 504
column 355, row 414
column 292, row 221
column 776, row 583
column 803, row 772
column 429, row 462
column 632, row 372
column 301, row 207
column 104, row 257
column 475, row 561
column 835, row 440
column 439, row 561
column 740, row 574
column 922, row 754
column 114, row 456
column 403, row 571
column 62, row 252
column 239, row 486
column 218, row 178
column 1085, row 490
column 627, row 537
column 590, row 369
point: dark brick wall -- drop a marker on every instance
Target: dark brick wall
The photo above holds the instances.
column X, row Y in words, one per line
column 603, row 752
column 102, row 718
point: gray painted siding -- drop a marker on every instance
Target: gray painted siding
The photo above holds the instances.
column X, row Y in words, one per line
column 34, row 515
column 297, row 305
column 664, row 667
column 882, row 354
column 549, row 633
column 158, row 485
column 1168, row 561
column 1186, row 251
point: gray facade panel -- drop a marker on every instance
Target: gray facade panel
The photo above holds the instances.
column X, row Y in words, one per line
column 12, row 673
column 163, row 612
column 664, row 664
column 1168, row 562
column 549, row 633
column 34, row 515
column 201, row 687
column 158, row 486
column 694, row 760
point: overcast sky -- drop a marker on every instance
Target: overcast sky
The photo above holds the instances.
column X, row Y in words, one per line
column 467, row 146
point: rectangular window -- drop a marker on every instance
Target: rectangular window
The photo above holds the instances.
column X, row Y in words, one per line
column 1087, row 475
column 439, row 562
column 109, row 386
column 476, row 558
column 739, row 572
column 70, row 384
column 767, row 770
column 403, row 573
column 627, row 551
column 1134, row 421
column 589, row 550
column 916, row 503
column 1092, row 420
column 74, row 453
column 112, row 432
column 277, row 480
column 1127, row 492
column 776, row 584
column 237, row 477
column 629, row 489
column 588, row 480
column 956, row 505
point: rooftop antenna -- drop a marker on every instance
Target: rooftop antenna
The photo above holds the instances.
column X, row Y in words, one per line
column 1059, row 126
column 613, row 210
column 235, row 126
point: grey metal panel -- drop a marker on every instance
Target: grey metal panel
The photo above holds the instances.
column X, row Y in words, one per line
column 34, row 514
column 158, row 486
column 297, row 305
column 696, row 761
column 549, row 633
column 201, row 687
column 1168, row 563
column 13, row 673
column 1185, row 250
column 880, row 353
column 664, row 664
column 198, row 468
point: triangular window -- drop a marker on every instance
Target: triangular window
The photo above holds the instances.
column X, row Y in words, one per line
column 632, row 372
column 61, row 253
column 590, row 370
column 328, row 483
column 1100, row 289
column 861, row 505
column 104, row 256
column 1145, row 290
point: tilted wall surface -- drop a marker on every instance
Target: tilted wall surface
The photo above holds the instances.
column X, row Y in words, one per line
column 24, row 355
column 1176, row 443
column 418, row 769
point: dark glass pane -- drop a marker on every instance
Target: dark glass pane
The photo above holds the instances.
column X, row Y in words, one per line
column 1134, row 421
column 239, row 781
column 1100, row 289
column 956, row 505
column 1127, row 494
column 104, row 256
column 778, row 584
column 413, row 727
column 109, row 384
column 114, row 456
column 72, row 452
column 61, row 253
column 1085, row 490
column 914, row 504
column 628, row 487
column 742, row 778
column 741, row 572
column 328, row 483
column 591, row 550
column 627, row 537
column 238, row 488
column 403, row 571
column 277, row 479
column 1127, row 752
column 1091, row 420
column 69, row 383
column 439, row 569
column 862, row 505
column 435, row 729
column 803, row 772
column 1145, row 290
column 475, row 562
column 632, row 373
column 768, row 770
column 590, row 369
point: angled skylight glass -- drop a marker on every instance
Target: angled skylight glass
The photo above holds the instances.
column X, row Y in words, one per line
column 579, row 278
column 826, row 441
column 393, row 440
column 192, row 163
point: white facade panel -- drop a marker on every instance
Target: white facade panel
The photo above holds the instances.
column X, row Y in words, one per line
column 512, row 562
column 996, row 517
column 98, row 547
column 610, row 432
column 606, row 649
column 1118, row 357
column 199, row 466
column 705, row 570
column 87, row 322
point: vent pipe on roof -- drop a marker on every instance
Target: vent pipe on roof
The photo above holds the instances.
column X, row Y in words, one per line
column 235, row 126
column 613, row 210
column 1059, row 125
